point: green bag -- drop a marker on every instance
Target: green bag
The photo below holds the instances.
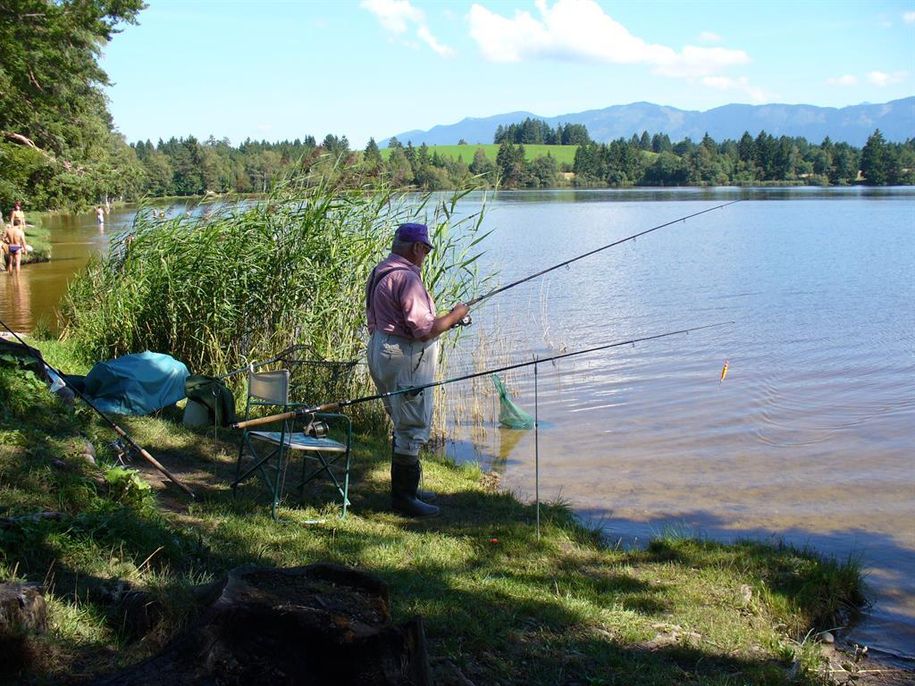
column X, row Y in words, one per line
column 212, row 392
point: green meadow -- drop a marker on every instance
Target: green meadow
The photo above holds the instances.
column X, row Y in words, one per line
column 563, row 154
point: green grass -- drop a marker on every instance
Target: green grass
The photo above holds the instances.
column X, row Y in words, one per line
column 563, row 154
column 499, row 604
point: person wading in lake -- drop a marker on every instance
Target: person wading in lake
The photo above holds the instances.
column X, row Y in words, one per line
column 14, row 241
column 403, row 352
column 17, row 217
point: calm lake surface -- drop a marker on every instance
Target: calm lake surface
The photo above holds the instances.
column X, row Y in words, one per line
column 810, row 439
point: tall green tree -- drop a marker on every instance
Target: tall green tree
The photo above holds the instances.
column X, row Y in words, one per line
column 51, row 97
column 483, row 166
column 511, row 165
column 371, row 157
column 876, row 160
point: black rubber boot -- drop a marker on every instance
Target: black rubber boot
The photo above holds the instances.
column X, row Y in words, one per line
column 426, row 496
column 404, row 484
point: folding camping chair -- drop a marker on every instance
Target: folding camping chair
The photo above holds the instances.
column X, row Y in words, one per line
column 269, row 452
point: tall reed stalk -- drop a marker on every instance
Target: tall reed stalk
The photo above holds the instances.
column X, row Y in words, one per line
column 245, row 280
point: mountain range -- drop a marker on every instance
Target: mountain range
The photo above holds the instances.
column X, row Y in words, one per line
column 853, row 124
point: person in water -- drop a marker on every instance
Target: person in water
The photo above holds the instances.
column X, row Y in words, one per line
column 17, row 217
column 14, row 242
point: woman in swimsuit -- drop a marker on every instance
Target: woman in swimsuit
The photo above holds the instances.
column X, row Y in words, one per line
column 17, row 218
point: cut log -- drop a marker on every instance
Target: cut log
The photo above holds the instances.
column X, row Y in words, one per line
column 314, row 625
column 22, row 611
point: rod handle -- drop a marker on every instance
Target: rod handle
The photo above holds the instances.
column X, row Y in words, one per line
column 264, row 420
column 292, row 414
column 153, row 461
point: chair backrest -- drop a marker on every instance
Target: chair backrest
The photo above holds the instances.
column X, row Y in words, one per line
column 269, row 387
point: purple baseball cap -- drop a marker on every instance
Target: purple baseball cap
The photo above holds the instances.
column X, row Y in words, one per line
column 410, row 233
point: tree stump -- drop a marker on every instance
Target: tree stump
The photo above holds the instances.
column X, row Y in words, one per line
column 314, row 625
column 22, row 611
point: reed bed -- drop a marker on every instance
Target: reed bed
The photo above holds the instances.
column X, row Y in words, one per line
column 243, row 281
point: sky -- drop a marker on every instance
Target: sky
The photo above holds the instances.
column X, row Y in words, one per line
column 277, row 70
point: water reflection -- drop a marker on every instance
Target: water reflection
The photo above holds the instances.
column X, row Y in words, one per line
column 15, row 294
column 583, row 195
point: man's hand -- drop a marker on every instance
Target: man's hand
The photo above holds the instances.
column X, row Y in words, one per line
column 448, row 321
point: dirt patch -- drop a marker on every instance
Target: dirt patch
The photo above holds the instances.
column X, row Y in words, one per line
column 848, row 664
column 206, row 474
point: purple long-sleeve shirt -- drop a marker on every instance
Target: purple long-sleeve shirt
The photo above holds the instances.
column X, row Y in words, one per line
column 397, row 302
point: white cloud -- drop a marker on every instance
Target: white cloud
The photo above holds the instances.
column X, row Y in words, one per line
column 394, row 15
column 709, row 37
column 881, row 79
column 740, row 85
column 908, row 17
column 580, row 30
column 399, row 16
column 426, row 37
column 844, row 80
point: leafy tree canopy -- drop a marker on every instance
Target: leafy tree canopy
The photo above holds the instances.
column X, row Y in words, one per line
column 51, row 97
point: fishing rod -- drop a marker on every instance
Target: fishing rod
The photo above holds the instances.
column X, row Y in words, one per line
column 118, row 430
column 334, row 406
column 493, row 292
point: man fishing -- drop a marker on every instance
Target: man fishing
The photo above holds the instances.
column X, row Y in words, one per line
column 403, row 353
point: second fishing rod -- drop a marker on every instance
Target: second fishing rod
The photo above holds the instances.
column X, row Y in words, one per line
column 340, row 404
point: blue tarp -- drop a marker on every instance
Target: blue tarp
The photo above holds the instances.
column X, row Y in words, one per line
column 136, row 384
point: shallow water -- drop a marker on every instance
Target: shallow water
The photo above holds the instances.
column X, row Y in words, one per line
column 809, row 439
column 31, row 298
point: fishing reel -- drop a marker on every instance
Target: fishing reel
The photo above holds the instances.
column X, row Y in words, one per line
column 317, row 429
column 121, row 450
column 465, row 321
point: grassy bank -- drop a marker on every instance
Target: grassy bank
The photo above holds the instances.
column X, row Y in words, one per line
column 501, row 606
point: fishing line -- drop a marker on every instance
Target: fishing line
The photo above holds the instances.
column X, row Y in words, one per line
column 333, row 406
column 592, row 252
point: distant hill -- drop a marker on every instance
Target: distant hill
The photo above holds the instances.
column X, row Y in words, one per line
column 896, row 119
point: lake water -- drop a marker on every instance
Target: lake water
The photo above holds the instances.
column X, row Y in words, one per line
column 810, row 438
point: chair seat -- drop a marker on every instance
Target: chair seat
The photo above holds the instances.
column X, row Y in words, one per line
column 300, row 441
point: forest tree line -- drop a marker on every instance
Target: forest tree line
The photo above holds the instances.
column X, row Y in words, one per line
column 191, row 167
column 187, row 166
column 538, row 132
column 655, row 161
